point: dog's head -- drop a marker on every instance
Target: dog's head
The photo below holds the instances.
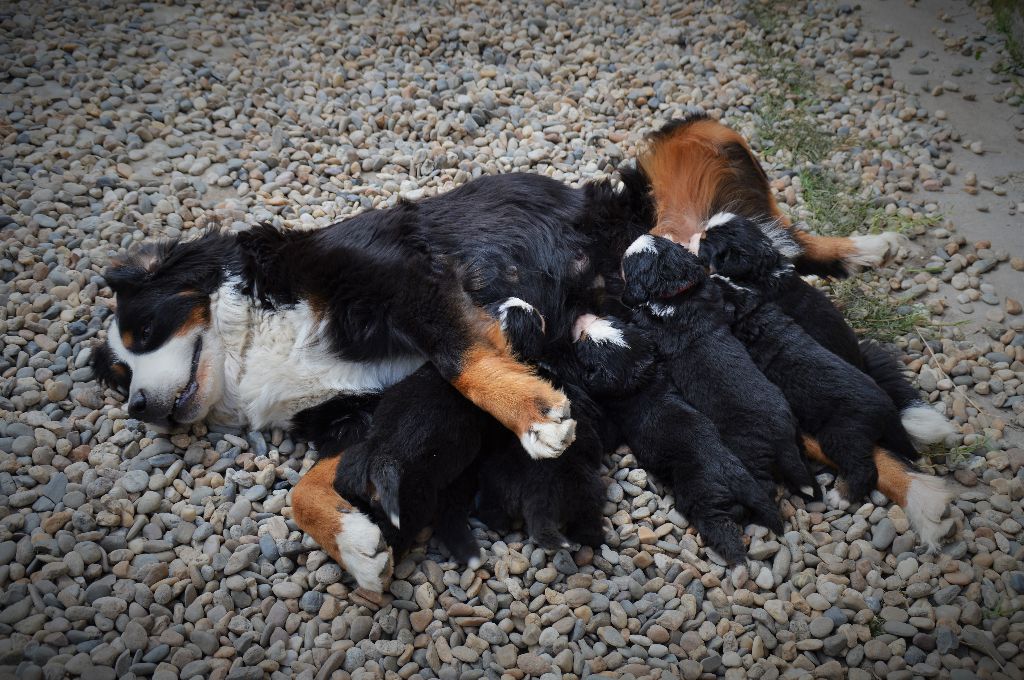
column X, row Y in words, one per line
column 613, row 357
column 655, row 269
column 744, row 250
column 160, row 349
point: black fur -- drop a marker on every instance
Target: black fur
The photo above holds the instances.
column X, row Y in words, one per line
column 560, row 500
column 674, row 441
column 424, row 436
column 684, row 312
column 337, row 423
column 741, row 251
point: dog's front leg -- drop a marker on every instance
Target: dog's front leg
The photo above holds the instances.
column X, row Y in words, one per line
column 344, row 533
column 486, row 372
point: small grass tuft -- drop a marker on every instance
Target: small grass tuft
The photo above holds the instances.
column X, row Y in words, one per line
column 1003, row 610
column 876, row 626
column 1008, row 19
column 836, row 209
column 903, row 224
column 937, row 454
column 876, row 314
column 786, row 122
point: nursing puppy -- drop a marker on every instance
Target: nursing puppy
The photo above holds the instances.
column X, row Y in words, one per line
column 758, row 254
column 560, row 501
column 683, row 310
column 855, row 424
column 415, row 467
column 670, row 438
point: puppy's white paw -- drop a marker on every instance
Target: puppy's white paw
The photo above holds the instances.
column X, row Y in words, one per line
column 549, row 438
column 364, row 553
column 874, row 249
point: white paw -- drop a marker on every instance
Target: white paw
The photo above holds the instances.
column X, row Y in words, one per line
column 477, row 561
column 928, row 509
column 548, row 439
column 874, row 249
column 364, row 554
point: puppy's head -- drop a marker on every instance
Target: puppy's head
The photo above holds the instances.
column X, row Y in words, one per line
column 657, row 270
column 614, row 358
column 744, row 250
column 160, row 349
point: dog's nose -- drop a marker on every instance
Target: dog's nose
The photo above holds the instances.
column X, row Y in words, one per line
column 137, row 405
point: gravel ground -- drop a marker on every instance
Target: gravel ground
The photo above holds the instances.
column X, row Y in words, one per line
column 125, row 554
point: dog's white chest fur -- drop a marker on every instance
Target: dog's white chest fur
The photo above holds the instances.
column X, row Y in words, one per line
column 277, row 364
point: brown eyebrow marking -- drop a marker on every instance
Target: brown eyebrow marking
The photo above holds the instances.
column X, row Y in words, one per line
column 199, row 316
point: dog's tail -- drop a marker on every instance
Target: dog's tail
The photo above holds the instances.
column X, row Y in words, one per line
column 921, row 422
column 697, row 167
column 386, row 480
column 926, row 499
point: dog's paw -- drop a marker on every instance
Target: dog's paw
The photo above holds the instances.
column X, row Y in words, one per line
column 872, row 250
column 548, row 438
column 364, row 553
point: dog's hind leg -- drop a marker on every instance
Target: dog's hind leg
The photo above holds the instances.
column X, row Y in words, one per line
column 540, row 513
column 926, row 499
column 344, row 533
column 850, row 451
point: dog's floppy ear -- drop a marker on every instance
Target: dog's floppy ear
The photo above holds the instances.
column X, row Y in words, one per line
column 130, row 271
column 110, row 370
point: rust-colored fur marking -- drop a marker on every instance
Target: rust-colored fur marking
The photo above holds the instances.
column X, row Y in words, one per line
column 701, row 167
column 199, row 316
column 814, row 452
column 495, row 381
column 318, row 509
column 893, row 477
column 824, row 248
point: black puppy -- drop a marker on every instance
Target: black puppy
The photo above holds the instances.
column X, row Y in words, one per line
column 559, row 500
column 759, row 255
column 416, row 466
column 838, row 404
column 669, row 437
column 684, row 312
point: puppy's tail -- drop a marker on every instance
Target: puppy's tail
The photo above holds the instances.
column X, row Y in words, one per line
column 926, row 499
column 923, row 424
column 386, row 480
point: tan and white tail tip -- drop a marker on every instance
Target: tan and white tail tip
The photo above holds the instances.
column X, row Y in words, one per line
column 928, row 507
column 925, row 425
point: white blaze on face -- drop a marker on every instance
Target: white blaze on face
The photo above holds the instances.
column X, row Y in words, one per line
column 718, row 219
column 643, row 244
column 161, row 374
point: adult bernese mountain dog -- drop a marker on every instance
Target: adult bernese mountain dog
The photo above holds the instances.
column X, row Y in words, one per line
column 293, row 328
